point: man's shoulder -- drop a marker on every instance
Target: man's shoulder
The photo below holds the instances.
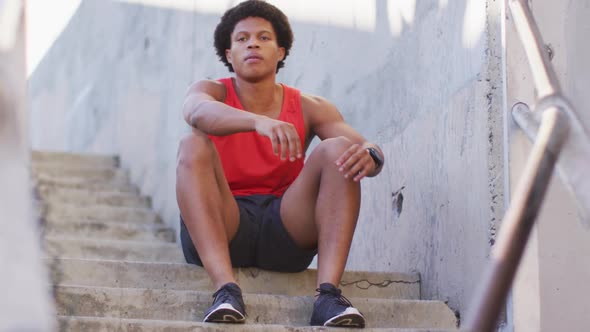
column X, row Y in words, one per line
column 318, row 110
column 214, row 88
column 314, row 103
column 209, row 83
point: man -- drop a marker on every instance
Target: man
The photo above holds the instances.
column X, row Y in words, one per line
column 245, row 195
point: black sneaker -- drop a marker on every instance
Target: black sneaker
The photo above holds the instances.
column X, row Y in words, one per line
column 333, row 309
column 227, row 307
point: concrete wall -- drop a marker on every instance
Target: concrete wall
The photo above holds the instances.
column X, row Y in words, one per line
column 551, row 291
column 422, row 78
column 24, row 300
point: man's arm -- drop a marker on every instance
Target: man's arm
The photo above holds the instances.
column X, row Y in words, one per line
column 205, row 110
column 325, row 121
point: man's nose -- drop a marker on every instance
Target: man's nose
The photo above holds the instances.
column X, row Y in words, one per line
column 253, row 44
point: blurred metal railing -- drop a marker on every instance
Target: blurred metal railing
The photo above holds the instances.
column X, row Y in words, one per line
column 557, row 132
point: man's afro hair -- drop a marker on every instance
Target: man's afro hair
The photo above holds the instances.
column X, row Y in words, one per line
column 252, row 8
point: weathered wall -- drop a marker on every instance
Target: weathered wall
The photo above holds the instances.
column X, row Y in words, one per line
column 421, row 78
column 552, row 288
column 24, row 299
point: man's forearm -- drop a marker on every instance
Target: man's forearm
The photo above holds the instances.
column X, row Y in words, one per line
column 216, row 118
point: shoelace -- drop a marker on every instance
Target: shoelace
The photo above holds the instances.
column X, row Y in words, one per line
column 225, row 292
column 337, row 293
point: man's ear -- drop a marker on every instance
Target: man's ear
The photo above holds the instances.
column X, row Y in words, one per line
column 281, row 53
column 228, row 56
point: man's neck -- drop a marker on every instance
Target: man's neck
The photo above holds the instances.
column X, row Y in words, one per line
column 259, row 97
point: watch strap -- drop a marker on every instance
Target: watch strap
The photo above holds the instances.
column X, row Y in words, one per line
column 376, row 157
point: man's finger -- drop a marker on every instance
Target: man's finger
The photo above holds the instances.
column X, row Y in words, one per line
column 355, row 168
column 346, row 155
column 275, row 143
column 284, row 141
column 352, row 160
column 298, row 147
column 293, row 139
column 361, row 175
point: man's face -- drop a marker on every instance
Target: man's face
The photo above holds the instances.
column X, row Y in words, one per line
column 254, row 51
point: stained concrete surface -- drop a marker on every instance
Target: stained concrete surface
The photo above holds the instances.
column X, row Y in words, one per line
column 137, row 303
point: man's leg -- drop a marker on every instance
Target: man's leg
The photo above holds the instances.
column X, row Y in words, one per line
column 206, row 204
column 321, row 209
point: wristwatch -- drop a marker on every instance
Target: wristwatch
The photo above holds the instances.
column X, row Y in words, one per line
column 376, row 157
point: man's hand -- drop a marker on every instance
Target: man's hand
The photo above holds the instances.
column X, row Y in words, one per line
column 356, row 163
column 281, row 134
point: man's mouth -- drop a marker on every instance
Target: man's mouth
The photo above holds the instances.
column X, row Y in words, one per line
column 253, row 57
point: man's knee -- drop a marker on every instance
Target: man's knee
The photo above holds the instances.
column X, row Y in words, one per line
column 194, row 150
column 332, row 148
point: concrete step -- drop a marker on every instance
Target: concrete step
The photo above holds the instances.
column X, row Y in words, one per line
column 86, row 248
column 155, row 232
column 68, row 180
column 114, row 266
column 262, row 309
column 74, row 159
column 190, row 277
column 95, row 173
column 58, row 211
column 83, row 197
column 50, row 182
column 100, row 324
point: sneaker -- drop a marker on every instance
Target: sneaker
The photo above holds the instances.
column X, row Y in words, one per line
column 333, row 309
column 227, row 307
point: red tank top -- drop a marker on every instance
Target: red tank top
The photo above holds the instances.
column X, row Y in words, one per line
column 249, row 164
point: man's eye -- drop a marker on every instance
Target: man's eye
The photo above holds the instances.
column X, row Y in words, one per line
column 265, row 38
column 242, row 39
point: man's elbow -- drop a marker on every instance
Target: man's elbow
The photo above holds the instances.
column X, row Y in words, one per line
column 187, row 114
column 192, row 112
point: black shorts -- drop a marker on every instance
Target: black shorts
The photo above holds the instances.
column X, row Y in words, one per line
column 261, row 240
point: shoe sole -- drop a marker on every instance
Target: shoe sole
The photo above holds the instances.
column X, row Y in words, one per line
column 351, row 317
column 225, row 313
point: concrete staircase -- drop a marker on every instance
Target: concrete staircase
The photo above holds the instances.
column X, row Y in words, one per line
column 116, row 267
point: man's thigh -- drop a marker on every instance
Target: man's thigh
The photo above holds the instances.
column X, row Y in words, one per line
column 276, row 249
column 261, row 239
column 242, row 247
column 205, row 185
column 298, row 206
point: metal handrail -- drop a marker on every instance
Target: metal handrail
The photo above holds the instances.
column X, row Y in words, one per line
column 544, row 76
column 555, row 128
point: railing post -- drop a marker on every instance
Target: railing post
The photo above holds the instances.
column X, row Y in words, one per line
column 24, row 289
